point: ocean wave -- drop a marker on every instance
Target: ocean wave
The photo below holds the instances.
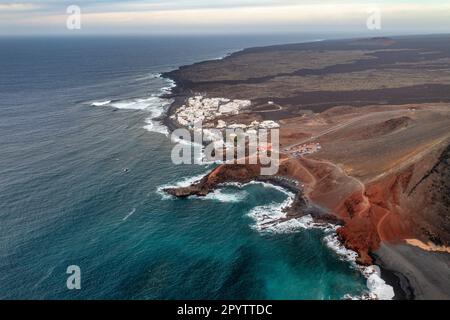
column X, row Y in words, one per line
column 129, row 214
column 155, row 104
column 378, row 289
column 272, row 218
column 199, row 157
column 167, row 89
column 148, row 76
column 377, row 286
column 139, row 104
column 100, row 103
column 221, row 196
column 217, row 195
column 153, row 125
column 261, row 183
column 185, row 182
column 226, row 55
column 267, row 216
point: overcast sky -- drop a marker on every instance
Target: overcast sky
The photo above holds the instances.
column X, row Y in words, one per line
column 226, row 16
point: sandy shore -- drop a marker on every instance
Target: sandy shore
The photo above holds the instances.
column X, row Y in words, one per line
column 426, row 273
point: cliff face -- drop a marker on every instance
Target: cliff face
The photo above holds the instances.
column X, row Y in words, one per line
column 428, row 200
column 383, row 167
column 411, row 204
column 376, row 215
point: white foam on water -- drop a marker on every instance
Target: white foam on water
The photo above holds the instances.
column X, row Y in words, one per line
column 149, row 76
column 167, row 89
column 185, row 182
column 129, row 214
column 267, row 216
column 221, row 196
column 224, row 56
column 271, row 218
column 378, row 289
column 155, row 105
column 199, row 157
column 100, row 103
column 291, row 225
column 156, row 126
column 262, row 183
column 150, row 103
column 376, row 285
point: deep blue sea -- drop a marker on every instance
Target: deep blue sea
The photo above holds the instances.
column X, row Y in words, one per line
column 82, row 163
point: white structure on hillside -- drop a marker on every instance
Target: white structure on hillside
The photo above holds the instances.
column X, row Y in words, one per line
column 207, row 110
column 203, row 109
column 269, row 124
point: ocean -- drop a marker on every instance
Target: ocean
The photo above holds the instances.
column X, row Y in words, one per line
column 83, row 161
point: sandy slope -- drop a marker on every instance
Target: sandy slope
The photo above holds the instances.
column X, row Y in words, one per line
column 428, row 273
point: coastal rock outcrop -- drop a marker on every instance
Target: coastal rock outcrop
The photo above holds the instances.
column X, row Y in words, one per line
column 221, row 174
column 378, row 211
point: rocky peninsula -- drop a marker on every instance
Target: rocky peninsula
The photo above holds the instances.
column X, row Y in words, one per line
column 374, row 118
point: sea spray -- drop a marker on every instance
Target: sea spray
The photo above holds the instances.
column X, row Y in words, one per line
column 185, row 182
column 153, row 247
column 155, row 104
column 272, row 218
column 378, row 289
column 129, row 214
column 221, row 196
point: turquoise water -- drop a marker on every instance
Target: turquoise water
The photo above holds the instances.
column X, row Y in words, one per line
column 65, row 198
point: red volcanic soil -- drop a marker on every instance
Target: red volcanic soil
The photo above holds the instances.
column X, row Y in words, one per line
column 383, row 172
column 382, row 128
column 376, row 215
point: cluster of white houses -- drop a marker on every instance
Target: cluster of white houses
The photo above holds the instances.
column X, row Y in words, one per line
column 203, row 109
column 207, row 110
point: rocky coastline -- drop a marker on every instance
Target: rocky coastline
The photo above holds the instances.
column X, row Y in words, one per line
column 299, row 207
column 370, row 211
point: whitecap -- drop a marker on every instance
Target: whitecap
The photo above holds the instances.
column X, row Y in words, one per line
column 272, row 218
column 226, row 55
column 221, row 196
column 378, row 289
column 154, row 104
column 129, row 214
column 267, row 216
column 197, row 150
column 168, row 89
column 156, row 126
column 100, row 103
column 261, row 183
column 149, row 76
column 185, row 182
column 376, row 285
column 332, row 242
